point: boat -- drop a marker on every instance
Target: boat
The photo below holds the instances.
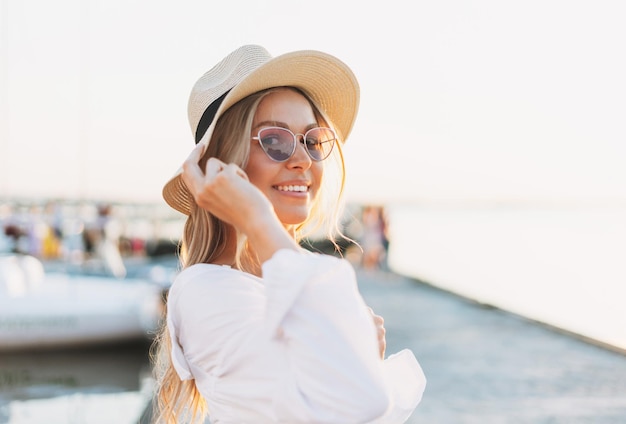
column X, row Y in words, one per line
column 44, row 310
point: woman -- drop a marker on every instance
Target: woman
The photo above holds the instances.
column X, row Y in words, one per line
column 259, row 330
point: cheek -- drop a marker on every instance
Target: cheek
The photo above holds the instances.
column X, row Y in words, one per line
column 317, row 172
column 255, row 176
column 252, row 165
column 258, row 170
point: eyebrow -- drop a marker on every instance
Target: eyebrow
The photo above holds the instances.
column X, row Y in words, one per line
column 282, row 125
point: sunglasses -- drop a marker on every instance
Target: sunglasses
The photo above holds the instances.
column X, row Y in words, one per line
column 280, row 143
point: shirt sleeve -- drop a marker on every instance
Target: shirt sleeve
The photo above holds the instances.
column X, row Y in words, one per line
column 329, row 338
column 307, row 327
column 407, row 382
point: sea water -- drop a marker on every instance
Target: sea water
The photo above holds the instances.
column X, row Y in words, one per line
column 83, row 386
column 562, row 265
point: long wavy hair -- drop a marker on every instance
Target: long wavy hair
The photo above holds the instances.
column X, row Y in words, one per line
column 205, row 237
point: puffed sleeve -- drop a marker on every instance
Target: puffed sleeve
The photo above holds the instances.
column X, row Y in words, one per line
column 329, row 338
column 407, row 382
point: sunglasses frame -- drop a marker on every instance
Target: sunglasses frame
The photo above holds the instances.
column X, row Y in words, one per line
column 295, row 142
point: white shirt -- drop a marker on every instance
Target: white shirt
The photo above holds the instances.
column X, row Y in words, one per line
column 296, row 346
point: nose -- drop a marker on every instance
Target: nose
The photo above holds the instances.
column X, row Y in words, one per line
column 300, row 158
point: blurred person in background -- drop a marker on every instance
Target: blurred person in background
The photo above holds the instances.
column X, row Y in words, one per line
column 373, row 237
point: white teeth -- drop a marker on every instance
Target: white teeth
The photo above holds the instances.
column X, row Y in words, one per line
column 300, row 188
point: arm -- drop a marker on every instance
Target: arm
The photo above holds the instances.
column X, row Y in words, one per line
column 327, row 333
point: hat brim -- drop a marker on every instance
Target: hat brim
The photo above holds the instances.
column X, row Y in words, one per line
column 328, row 82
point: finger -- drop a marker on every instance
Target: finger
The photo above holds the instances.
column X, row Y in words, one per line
column 195, row 155
column 233, row 169
column 213, row 167
column 192, row 174
column 378, row 320
column 242, row 174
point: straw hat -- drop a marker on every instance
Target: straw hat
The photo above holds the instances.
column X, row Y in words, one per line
column 328, row 82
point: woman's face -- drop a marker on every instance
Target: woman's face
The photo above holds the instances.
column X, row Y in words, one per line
column 291, row 186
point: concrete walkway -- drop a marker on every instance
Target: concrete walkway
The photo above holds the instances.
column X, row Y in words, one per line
column 488, row 366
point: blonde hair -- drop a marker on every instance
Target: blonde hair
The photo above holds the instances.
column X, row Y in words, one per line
column 205, row 238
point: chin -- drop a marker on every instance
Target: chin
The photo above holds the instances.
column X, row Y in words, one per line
column 293, row 217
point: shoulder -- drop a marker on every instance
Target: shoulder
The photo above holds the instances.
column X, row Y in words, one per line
column 202, row 280
column 194, row 272
column 290, row 265
column 303, row 260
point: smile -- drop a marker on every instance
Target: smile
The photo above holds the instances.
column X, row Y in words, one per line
column 293, row 188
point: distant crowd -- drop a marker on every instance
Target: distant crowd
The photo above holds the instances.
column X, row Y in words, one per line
column 80, row 232
column 77, row 233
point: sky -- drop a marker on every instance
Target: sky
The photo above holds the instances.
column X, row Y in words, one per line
column 461, row 100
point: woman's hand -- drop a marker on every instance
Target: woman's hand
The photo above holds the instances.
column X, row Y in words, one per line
column 225, row 191
column 379, row 322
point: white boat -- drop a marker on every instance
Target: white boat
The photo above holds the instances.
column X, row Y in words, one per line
column 54, row 310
